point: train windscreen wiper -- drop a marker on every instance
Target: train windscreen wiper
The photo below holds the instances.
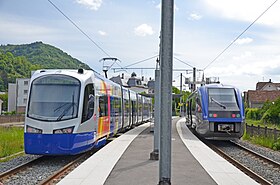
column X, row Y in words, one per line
column 65, row 111
column 63, row 105
column 218, row 103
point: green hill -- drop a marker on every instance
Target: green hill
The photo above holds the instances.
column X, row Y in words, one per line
column 47, row 56
column 17, row 61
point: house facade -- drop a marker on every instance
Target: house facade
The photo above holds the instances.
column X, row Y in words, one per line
column 265, row 91
column 17, row 95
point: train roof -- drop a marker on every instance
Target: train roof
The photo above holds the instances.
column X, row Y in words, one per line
column 70, row 72
column 218, row 86
column 80, row 74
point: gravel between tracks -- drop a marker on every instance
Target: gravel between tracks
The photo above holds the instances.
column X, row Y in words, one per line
column 271, row 174
column 36, row 173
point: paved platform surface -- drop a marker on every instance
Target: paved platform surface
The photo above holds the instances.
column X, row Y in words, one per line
column 125, row 161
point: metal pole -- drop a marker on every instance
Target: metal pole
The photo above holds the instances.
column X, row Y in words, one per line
column 194, row 79
column 166, row 65
column 155, row 154
column 181, row 112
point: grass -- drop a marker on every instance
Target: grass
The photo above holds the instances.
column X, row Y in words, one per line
column 258, row 122
column 263, row 141
column 11, row 141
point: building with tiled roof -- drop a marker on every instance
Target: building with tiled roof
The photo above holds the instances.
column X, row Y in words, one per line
column 267, row 86
column 256, row 99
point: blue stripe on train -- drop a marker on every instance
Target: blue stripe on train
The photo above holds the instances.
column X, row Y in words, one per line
column 58, row 144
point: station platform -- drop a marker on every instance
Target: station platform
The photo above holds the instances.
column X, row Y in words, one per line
column 125, row 161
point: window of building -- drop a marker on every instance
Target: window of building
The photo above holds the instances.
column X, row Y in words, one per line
column 25, row 91
column 24, row 100
column 25, row 82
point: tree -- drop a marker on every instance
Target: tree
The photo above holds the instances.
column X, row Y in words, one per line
column 4, row 98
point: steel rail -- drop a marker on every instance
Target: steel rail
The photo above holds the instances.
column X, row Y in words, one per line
column 240, row 166
column 59, row 173
column 260, row 156
column 18, row 168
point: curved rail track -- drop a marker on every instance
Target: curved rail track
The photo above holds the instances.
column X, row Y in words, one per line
column 56, row 177
column 259, row 160
column 6, row 175
column 70, row 162
column 65, row 164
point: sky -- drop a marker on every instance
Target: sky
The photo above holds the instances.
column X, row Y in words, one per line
column 129, row 31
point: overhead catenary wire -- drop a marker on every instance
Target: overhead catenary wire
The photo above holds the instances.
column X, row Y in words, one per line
column 240, row 35
column 184, row 62
column 99, row 47
column 138, row 62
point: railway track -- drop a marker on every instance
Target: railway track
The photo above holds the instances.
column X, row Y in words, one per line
column 59, row 174
column 7, row 174
column 45, row 169
column 262, row 169
column 54, row 167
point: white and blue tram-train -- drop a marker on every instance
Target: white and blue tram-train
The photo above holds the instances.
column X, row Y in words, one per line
column 216, row 112
column 72, row 111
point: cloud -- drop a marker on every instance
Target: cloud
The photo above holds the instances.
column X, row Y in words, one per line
column 143, row 30
column 102, row 33
column 194, row 16
column 247, row 10
column 91, row 4
column 247, row 54
column 24, row 31
column 244, row 41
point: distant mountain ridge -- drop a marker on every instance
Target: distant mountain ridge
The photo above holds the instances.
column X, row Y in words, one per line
column 17, row 61
column 44, row 55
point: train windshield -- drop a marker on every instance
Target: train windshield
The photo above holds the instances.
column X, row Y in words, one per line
column 54, row 98
column 222, row 99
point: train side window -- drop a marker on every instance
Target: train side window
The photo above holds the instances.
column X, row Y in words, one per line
column 88, row 106
column 103, row 106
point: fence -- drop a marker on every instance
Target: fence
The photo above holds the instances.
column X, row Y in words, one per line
column 262, row 131
column 11, row 118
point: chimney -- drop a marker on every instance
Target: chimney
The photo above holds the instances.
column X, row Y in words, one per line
column 122, row 75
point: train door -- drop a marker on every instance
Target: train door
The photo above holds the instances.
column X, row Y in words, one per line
column 129, row 108
column 198, row 109
column 133, row 107
column 140, row 111
column 89, row 120
column 125, row 108
column 103, row 113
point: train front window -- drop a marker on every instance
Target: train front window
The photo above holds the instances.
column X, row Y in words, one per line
column 54, row 98
column 222, row 99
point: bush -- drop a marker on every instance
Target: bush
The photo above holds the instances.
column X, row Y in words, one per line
column 276, row 145
column 10, row 113
column 253, row 113
column 272, row 115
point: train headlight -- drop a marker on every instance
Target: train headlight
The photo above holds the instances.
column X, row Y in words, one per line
column 33, row 130
column 214, row 115
column 67, row 130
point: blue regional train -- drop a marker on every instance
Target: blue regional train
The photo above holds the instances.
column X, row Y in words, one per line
column 72, row 111
column 216, row 112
